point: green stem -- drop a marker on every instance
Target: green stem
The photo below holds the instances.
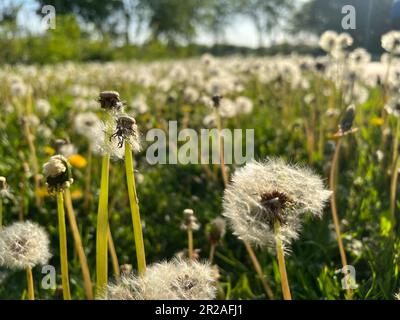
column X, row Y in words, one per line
column 87, row 282
column 393, row 185
column 102, row 227
column 88, row 179
column 1, row 213
column 212, row 253
column 29, row 280
column 134, row 204
column 63, row 246
column 190, row 243
column 281, row 263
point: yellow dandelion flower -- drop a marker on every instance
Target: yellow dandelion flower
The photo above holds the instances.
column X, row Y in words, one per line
column 77, row 161
column 377, row 121
column 186, row 109
column 76, row 194
column 42, row 192
column 49, row 151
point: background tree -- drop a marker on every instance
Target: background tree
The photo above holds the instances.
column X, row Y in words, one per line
column 373, row 18
column 173, row 20
column 104, row 15
column 266, row 15
column 218, row 16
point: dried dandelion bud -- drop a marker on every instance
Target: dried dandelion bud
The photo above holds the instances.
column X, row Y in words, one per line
column 23, row 245
column 110, row 101
column 216, row 230
column 189, row 221
column 264, row 193
column 57, row 173
column 216, row 99
column 175, row 280
column 347, row 121
column 126, row 131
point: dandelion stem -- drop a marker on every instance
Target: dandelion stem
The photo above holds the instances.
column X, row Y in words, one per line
column 221, row 148
column 63, row 246
column 102, row 227
column 134, row 204
column 190, row 243
column 335, row 218
column 212, row 253
column 87, row 283
column 259, row 271
column 29, row 280
column 393, row 185
column 281, row 263
column 88, row 179
column 332, row 182
column 113, row 253
column 1, row 213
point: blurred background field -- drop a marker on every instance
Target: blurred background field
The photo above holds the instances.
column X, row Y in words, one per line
column 166, row 58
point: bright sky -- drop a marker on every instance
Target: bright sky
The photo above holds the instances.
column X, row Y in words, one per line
column 241, row 32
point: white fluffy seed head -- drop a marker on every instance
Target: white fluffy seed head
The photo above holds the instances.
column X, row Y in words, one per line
column 262, row 193
column 391, row 42
column 24, row 244
column 174, row 280
column 85, row 124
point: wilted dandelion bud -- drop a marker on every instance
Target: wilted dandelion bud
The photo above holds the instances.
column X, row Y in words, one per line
column 216, row 99
column 175, row 280
column 110, row 101
column 261, row 194
column 189, row 221
column 216, row 230
column 346, row 123
column 23, row 245
column 57, row 173
column 126, row 131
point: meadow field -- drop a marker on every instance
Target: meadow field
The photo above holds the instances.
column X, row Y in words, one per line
column 326, row 141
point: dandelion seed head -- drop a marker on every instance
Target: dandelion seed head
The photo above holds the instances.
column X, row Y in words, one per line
column 102, row 144
column 328, row 40
column 174, row 280
column 126, row 131
column 244, row 105
column 23, row 245
column 262, row 193
column 43, row 107
column 393, row 106
column 391, row 42
column 85, row 124
column 126, row 287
